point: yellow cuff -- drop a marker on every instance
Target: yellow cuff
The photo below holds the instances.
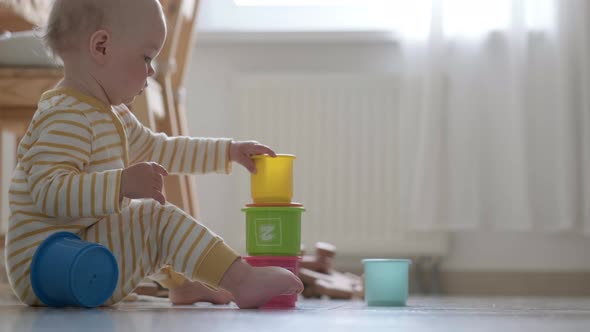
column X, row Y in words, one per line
column 214, row 265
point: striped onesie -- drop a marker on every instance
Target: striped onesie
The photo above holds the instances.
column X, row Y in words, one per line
column 67, row 179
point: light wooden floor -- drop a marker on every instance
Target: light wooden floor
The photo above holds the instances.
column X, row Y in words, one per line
column 422, row 314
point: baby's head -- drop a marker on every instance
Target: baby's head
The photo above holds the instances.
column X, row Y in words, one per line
column 109, row 41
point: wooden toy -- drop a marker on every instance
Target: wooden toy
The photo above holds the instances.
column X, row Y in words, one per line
column 320, row 279
column 133, row 297
column 147, row 288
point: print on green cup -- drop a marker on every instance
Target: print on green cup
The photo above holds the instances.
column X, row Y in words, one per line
column 274, row 231
column 268, row 232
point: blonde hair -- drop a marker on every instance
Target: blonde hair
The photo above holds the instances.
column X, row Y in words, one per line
column 70, row 21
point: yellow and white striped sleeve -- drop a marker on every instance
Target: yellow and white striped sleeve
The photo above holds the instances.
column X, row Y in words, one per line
column 179, row 154
column 60, row 150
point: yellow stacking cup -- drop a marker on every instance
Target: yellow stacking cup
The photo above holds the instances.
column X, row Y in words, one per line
column 273, row 182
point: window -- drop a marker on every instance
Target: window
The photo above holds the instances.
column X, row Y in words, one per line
column 411, row 18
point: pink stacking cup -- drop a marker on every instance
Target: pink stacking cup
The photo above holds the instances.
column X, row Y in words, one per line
column 290, row 263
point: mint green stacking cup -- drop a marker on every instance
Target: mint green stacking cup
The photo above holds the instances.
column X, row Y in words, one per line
column 386, row 281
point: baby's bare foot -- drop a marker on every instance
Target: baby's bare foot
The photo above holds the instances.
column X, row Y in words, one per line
column 193, row 291
column 252, row 287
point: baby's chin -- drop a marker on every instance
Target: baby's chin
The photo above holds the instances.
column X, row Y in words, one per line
column 131, row 99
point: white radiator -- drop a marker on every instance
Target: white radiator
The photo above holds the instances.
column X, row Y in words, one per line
column 342, row 128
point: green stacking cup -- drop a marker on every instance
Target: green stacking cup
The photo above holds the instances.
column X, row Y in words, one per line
column 273, row 230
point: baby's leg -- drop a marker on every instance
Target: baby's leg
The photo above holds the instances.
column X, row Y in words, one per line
column 253, row 286
column 146, row 236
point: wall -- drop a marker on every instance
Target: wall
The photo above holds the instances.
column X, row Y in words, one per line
column 209, row 114
column 218, row 58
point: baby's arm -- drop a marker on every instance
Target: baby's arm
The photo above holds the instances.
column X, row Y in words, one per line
column 178, row 154
column 189, row 155
column 54, row 165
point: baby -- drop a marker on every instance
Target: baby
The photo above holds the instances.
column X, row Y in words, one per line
column 87, row 165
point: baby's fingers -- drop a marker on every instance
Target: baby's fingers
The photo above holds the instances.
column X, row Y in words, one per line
column 262, row 149
column 158, row 181
column 158, row 196
column 159, row 169
column 249, row 165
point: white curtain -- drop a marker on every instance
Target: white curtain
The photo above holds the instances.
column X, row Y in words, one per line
column 495, row 123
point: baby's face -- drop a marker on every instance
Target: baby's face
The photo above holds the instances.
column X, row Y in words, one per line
column 132, row 59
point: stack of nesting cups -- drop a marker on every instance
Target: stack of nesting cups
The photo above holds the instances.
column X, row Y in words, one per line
column 273, row 222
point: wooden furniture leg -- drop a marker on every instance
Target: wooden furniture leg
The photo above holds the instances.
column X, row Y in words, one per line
column 175, row 185
column 184, row 49
column 161, row 108
column 4, row 165
column 180, row 15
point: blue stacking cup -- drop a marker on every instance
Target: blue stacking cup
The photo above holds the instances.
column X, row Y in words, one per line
column 386, row 281
column 67, row 271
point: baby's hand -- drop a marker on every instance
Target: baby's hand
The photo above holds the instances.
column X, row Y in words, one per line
column 242, row 152
column 143, row 180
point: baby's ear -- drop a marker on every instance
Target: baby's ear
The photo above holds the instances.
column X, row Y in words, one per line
column 100, row 41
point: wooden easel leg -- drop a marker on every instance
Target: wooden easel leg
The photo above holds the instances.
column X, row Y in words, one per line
column 190, row 181
column 175, row 186
column 7, row 164
column 3, row 190
column 181, row 15
column 192, row 195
